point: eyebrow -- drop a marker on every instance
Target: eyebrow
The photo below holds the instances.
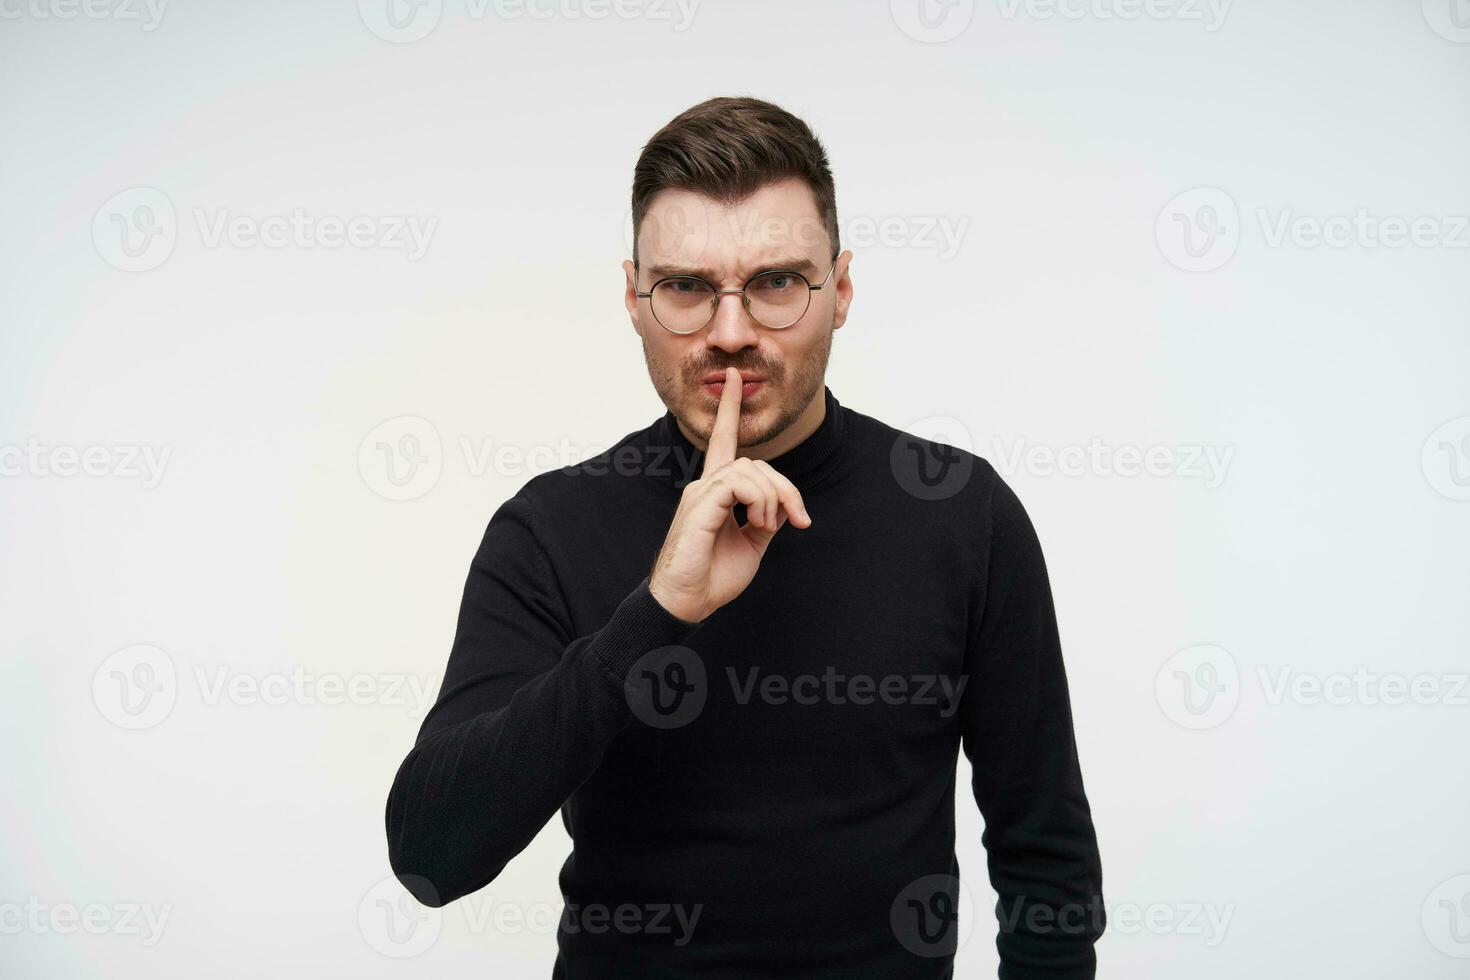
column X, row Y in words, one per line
column 805, row 266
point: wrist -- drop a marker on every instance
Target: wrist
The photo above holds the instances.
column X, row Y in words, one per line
column 671, row 605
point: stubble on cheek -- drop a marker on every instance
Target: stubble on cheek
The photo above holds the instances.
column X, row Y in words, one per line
column 674, row 382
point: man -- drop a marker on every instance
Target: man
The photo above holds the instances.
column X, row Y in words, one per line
column 751, row 729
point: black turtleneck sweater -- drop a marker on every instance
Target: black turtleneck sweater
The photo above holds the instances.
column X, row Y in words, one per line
column 768, row 793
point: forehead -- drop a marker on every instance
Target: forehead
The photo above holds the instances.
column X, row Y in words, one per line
column 685, row 228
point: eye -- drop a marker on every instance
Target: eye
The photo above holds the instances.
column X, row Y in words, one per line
column 774, row 283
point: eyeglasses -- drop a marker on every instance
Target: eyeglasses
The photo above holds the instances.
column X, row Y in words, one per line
column 775, row 299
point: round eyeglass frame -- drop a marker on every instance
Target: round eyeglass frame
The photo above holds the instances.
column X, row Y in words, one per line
column 714, row 302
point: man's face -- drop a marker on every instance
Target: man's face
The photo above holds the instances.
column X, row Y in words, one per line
column 777, row 227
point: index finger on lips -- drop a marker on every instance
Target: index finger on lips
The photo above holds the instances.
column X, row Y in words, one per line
column 722, row 441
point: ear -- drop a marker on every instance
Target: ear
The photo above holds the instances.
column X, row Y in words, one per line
column 630, row 294
column 842, row 289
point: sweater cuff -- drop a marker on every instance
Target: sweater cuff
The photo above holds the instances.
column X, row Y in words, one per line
column 638, row 625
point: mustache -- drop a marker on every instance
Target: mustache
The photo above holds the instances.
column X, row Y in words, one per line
column 770, row 371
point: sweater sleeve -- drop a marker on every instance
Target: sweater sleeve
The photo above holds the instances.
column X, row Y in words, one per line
column 1040, row 843
column 523, row 717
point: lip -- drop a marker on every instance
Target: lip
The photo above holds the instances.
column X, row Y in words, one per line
column 749, row 387
column 718, row 377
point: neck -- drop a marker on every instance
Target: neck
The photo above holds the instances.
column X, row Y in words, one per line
column 794, row 435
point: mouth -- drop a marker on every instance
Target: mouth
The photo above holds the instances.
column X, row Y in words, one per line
column 714, row 383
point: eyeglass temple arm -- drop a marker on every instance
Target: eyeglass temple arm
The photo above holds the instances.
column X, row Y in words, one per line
column 829, row 276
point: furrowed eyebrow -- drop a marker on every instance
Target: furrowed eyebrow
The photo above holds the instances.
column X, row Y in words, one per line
column 804, row 266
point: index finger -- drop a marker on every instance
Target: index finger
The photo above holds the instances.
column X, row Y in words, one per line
column 727, row 424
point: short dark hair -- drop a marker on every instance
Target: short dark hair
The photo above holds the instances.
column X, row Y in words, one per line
column 727, row 148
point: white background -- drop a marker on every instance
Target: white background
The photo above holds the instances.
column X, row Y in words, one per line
column 1246, row 829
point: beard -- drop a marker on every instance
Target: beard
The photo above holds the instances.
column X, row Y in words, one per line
column 790, row 386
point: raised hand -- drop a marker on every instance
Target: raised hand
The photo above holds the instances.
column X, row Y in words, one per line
column 707, row 559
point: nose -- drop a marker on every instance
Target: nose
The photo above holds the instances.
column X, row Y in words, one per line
column 731, row 328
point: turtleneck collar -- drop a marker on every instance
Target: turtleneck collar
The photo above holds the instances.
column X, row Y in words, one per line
column 802, row 464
